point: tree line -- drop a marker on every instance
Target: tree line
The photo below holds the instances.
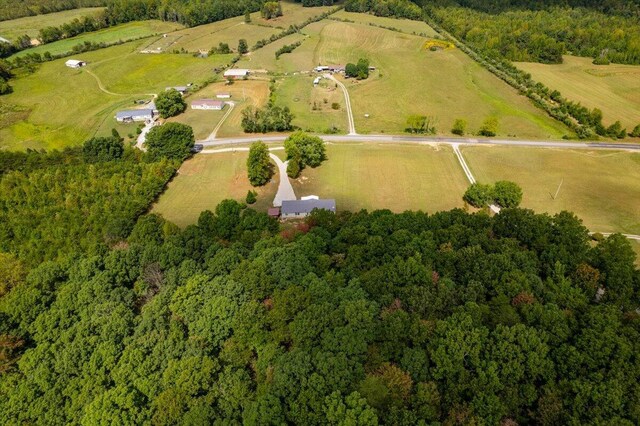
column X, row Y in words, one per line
column 359, row 318
column 11, row 9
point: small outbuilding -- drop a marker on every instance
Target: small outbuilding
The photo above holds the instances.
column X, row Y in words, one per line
column 75, row 63
column 223, row 95
column 236, row 73
column 296, row 209
column 208, row 104
column 130, row 116
column 274, row 212
column 316, row 81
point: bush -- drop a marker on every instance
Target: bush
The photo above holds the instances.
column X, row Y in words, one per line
column 293, row 167
column 97, row 150
column 170, row 103
column 635, row 133
column 478, row 195
column 335, row 105
column 459, row 127
column 268, row 119
column 171, row 140
column 243, row 47
column 489, row 127
column 420, row 124
column 252, row 197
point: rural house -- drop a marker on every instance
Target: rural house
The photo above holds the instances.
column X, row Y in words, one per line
column 235, row 73
column 129, row 116
column 74, row 63
column 210, row 104
column 292, row 209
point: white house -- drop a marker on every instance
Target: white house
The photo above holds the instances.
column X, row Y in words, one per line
column 74, row 63
column 208, row 104
column 236, row 73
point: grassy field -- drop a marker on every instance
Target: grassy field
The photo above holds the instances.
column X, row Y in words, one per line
column 129, row 31
column 615, row 89
column 245, row 93
column 292, row 13
column 265, row 58
column 395, row 177
column 205, row 180
column 602, row 188
column 67, row 106
column 404, row 25
column 31, row 25
column 312, row 105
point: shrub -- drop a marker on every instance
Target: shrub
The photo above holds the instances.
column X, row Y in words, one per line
column 336, row 106
column 252, row 197
column 635, row 133
column 459, row 127
column 489, row 127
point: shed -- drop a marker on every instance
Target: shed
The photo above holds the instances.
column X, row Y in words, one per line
column 274, row 212
column 292, row 209
column 236, row 73
column 208, row 104
column 223, row 95
column 75, row 63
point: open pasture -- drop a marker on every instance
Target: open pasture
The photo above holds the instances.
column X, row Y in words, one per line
column 602, row 188
column 614, row 88
column 129, row 31
column 292, row 14
column 31, row 25
column 205, row 180
column 66, row 106
column 404, row 25
column 394, row 177
column 265, row 58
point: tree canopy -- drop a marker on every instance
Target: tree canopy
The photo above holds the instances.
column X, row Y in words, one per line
column 170, row 103
column 259, row 166
column 171, row 140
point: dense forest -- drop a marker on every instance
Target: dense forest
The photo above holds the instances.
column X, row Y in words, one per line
column 13, row 9
column 351, row 319
column 623, row 7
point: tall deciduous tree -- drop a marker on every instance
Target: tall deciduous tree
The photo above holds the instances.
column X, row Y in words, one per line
column 259, row 167
column 171, row 140
column 170, row 103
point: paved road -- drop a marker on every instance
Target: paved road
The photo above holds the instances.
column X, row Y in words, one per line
column 285, row 190
column 347, row 101
column 213, row 134
column 425, row 139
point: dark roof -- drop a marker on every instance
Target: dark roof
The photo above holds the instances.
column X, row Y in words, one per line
column 274, row 211
column 134, row 113
column 306, row 206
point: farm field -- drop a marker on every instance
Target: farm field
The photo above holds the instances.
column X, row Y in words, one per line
column 59, row 117
column 205, row 180
column 245, row 93
column 615, row 89
column 31, row 25
column 292, row 13
column 602, row 188
column 265, row 58
column 312, row 105
column 404, row 25
column 129, row 31
column 394, row 177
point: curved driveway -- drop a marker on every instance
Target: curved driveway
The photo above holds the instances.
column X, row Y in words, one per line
column 347, row 101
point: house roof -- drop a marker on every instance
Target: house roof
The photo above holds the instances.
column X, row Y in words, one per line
column 306, row 206
column 74, row 62
column 209, row 102
column 134, row 113
column 178, row 88
column 236, row 72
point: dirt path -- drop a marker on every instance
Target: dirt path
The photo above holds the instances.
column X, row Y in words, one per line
column 347, row 101
column 108, row 92
column 222, row 120
column 467, row 172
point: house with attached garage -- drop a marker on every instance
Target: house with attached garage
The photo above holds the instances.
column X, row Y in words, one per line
column 298, row 209
column 210, row 104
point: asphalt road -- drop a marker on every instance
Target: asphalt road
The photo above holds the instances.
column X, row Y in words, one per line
column 426, row 139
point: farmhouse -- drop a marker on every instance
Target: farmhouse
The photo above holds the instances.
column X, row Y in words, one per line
column 135, row 115
column 209, row 104
column 292, row 209
column 180, row 89
column 74, row 63
column 223, row 95
column 236, row 73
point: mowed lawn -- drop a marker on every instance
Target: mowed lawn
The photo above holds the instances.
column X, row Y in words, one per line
column 205, row 180
column 602, row 188
column 67, row 106
column 312, row 106
column 615, row 89
column 394, row 177
column 124, row 32
column 31, row 25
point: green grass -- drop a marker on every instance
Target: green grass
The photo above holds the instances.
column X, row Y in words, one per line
column 602, row 188
column 205, row 180
column 395, row 177
column 31, row 25
column 292, row 13
column 613, row 88
column 67, row 106
column 265, row 58
column 404, row 25
column 245, row 93
column 301, row 96
column 129, row 31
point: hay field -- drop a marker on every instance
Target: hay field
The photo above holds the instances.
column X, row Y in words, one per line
column 245, row 93
column 602, row 188
column 386, row 176
column 265, row 58
column 615, row 89
column 31, row 25
column 312, row 105
column 66, row 106
column 129, row 31
column 411, row 80
column 404, row 25
column 292, row 13
column 205, row 180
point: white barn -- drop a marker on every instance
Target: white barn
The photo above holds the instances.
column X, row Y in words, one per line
column 207, row 104
column 74, row 63
column 236, row 73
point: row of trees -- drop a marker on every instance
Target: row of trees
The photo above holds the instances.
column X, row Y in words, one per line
column 395, row 8
column 359, row 70
column 360, row 318
column 271, row 118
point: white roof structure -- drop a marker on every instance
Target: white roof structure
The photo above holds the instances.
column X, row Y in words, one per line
column 236, row 72
column 4, row 40
column 75, row 63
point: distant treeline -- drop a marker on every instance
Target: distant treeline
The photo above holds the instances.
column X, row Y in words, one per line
column 622, row 7
column 13, row 9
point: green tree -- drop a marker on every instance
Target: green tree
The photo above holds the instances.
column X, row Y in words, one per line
column 310, row 149
column 293, row 167
column 243, row 47
column 507, row 194
column 350, row 411
column 247, row 17
column 635, row 133
column 459, row 127
column 251, row 197
column 489, row 127
column 170, row 103
column 479, row 195
column 171, row 140
column 259, row 167
column 271, row 9
column 100, row 149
